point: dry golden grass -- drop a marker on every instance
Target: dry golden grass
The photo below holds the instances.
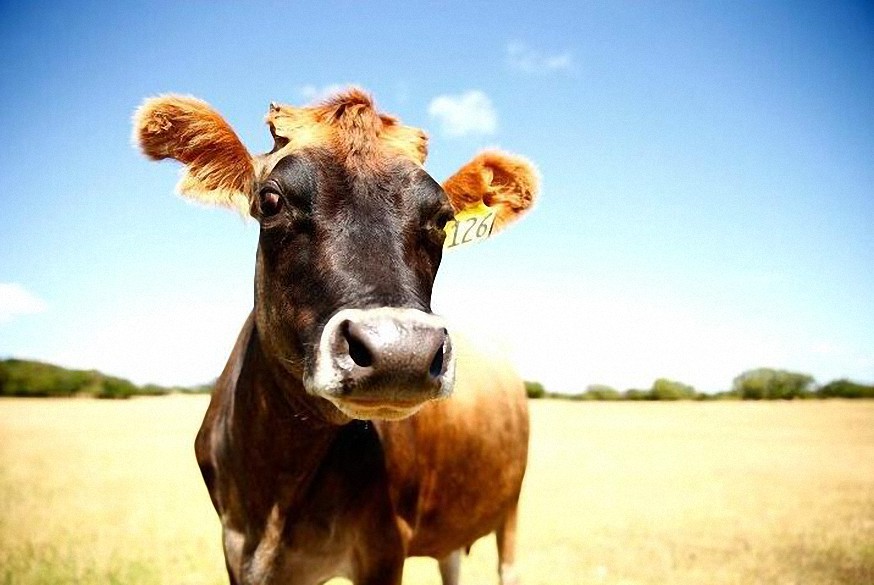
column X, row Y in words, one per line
column 617, row 493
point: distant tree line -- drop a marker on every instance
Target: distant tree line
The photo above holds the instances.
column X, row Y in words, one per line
column 758, row 384
column 32, row 378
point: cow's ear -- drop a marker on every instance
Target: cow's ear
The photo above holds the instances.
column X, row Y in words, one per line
column 505, row 183
column 218, row 168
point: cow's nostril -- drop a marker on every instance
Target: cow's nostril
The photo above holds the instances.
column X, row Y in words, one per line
column 358, row 351
column 436, row 367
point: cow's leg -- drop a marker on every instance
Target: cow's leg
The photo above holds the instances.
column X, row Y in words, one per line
column 382, row 576
column 232, row 542
column 506, row 536
column 449, row 567
column 387, row 570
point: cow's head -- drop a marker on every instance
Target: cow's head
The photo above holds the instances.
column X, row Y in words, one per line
column 351, row 239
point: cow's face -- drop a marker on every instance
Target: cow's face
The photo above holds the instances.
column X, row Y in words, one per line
column 351, row 237
column 346, row 262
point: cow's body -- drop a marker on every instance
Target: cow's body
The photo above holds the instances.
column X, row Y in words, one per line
column 331, row 446
column 302, row 501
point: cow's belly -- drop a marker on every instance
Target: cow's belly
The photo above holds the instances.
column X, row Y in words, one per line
column 461, row 505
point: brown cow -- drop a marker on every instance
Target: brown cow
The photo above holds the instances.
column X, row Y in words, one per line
column 325, row 449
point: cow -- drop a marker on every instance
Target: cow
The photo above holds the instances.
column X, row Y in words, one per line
column 349, row 428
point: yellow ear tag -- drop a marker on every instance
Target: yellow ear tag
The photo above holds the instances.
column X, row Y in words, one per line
column 473, row 224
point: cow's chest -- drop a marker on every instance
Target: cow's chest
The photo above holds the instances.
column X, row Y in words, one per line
column 342, row 525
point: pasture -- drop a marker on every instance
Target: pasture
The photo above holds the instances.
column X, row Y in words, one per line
column 617, row 493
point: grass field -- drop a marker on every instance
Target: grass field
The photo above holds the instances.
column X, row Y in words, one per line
column 617, row 493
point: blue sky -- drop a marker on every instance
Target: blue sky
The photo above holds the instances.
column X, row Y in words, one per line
column 708, row 178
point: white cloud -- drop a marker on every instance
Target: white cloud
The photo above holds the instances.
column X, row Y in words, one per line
column 311, row 93
column 460, row 115
column 15, row 300
column 523, row 58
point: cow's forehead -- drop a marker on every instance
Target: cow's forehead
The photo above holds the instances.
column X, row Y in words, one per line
column 347, row 125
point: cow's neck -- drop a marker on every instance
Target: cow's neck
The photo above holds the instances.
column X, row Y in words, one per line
column 282, row 430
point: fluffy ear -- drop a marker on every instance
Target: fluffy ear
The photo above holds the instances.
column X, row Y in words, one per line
column 219, row 169
column 505, row 183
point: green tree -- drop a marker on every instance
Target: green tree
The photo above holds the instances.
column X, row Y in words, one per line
column 601, row 392
column 32, row 378
column 771, row 384
column 112, row 387
column 635, row 394
column 664, row 389
column 534, row 390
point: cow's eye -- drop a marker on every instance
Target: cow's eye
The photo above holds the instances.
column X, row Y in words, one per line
column 434, row 227
column 270, row 202
column 443, row 218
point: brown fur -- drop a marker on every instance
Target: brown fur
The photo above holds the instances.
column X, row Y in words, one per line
column 507, row 183
column 348, row 124
column 219, row 169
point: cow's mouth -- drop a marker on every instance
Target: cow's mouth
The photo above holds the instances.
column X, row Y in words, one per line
column 378, row 409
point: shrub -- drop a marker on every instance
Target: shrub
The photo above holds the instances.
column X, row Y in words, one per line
column 845, row 389
column 534, row 390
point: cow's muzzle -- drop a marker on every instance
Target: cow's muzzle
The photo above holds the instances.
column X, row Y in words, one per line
column 383, row 363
